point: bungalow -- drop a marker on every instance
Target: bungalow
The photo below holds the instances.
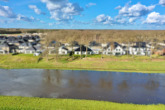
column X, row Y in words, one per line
column 82, row 50
column 114, row 49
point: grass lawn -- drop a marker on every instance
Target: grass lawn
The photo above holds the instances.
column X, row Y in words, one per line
column 24, row 103
column 108, row 63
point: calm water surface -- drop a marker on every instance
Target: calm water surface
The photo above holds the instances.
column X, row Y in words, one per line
column 108, row 86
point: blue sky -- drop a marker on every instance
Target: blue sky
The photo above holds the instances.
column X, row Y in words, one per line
column 83, row 14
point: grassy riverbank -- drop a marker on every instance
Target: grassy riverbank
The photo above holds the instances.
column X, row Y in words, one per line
column 19, row 103
column 108, row 63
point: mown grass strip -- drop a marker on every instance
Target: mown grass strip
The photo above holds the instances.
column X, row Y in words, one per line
column 25, row 103
column 108, row 63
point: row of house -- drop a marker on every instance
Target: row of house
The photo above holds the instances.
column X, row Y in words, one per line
column 20, row 44
column 30, row 44
column 113, row 48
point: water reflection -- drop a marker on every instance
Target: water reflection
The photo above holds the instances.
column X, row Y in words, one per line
column 50, row 78
column 109, row 86
column 152, row 85
column 123, row 86
column 105, row 84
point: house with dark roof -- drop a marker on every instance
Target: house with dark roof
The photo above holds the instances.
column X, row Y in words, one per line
column 82, row 50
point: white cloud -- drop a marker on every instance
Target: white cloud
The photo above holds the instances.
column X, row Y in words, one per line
column 118, row 7
column 62, row 10
column 162, row 2
column 136, row 10
column 155, row 18
column 103, row 19
column 36, row 10
column 6, row 11
column 120, row 21
column 24, row 18
column 131, row 20
column 107, row 20
column 90, row 4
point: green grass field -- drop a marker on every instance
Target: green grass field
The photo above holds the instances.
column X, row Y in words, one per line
column 23, row 103
column 108, row 63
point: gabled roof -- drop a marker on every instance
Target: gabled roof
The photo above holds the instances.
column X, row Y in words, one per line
column 64, row 48
column 83, row 48
column 113, row 45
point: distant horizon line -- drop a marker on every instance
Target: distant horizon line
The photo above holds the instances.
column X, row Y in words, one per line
column 93, row 29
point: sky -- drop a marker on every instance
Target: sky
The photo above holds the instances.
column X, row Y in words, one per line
column 83, row 14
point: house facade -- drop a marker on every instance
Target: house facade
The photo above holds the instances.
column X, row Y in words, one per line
column 83, row 50
column 63, row 50
column 140, row 48
column 114, row 49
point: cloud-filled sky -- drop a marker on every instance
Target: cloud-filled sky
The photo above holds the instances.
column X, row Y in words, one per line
column 83, row 14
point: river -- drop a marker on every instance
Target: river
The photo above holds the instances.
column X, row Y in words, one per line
column 118, row 87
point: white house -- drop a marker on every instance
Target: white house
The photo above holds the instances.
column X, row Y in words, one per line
column 114, row 49
column 63, row 50
column 139, row 50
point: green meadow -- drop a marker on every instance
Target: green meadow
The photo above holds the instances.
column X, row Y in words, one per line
column 142, row 64
column 24, row 103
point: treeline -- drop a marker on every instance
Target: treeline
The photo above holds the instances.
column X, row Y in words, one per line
column 20, row 31
column 84, row 36
column 10, row 31
column 104, row 36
